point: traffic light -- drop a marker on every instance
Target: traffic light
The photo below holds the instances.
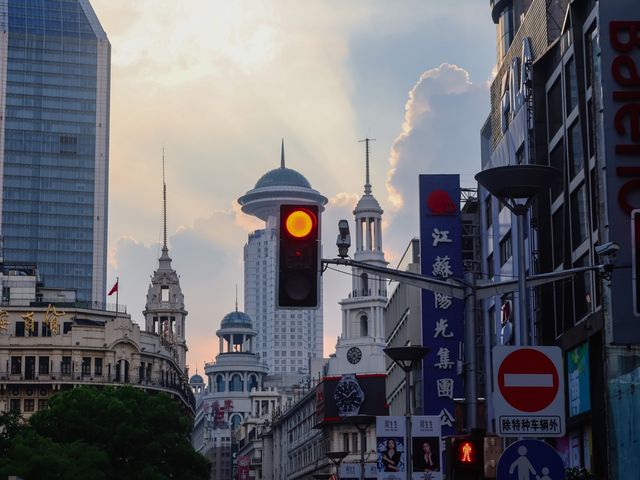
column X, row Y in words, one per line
column 299, row 257
column 466, row 454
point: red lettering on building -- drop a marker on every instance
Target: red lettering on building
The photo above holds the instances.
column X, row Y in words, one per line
column 625, row 39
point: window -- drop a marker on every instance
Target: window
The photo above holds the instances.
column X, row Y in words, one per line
column 29, row 405
column 505, row 249
column 16, row 365
column 19, row 329
column 490, row 266
column 86, row 365
column 365, row 284
column 43, row 403
column 571, row 85
column 556, row 159
column 558, row 236
column 578, row 216
column 164, row 294
column 345, row 442
column 65, row 366
column 14, row 405
column 98, row 366
column 43, row 365
column 576, row 155
column 364, row 326
column 66, row 327
column 220, row 383
column 554, row 108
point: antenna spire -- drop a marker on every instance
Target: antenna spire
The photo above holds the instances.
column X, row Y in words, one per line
column 236, row 297
column 367, row 183
column 164, row 206
column 282, row 154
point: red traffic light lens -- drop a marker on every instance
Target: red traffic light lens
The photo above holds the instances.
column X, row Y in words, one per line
column 466, row 453
column 299, row 223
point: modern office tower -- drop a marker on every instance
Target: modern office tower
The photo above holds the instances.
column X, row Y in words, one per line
column 565, row 87
column 287, row 338
column 54, row 142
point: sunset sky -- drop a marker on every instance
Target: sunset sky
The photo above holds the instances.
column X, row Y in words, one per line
column 219, row 83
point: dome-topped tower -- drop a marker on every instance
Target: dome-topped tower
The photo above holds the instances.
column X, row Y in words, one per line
column 359, row 348
column 278, row 186
column 287, row 341
column 164, row 311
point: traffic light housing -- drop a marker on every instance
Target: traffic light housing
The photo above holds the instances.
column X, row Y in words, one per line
column 466, row 454
column 298, row 257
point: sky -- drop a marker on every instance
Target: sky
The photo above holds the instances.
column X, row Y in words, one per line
column 218, row 84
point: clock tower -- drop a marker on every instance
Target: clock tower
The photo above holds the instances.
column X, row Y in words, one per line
column 359, row 347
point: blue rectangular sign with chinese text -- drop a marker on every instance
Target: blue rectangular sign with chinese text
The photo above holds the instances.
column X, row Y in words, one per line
column 442, row 316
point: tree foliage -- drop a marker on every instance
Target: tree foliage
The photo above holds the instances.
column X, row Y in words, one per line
column 121, row 433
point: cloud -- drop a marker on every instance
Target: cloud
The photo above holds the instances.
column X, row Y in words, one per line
column 439, row 134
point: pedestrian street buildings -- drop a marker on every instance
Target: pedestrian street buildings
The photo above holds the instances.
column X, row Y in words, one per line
column 565, row 95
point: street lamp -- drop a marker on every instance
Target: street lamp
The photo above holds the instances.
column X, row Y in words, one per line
column 336, row 458
column 362, row 423
column 516, row 185
column 407, row 358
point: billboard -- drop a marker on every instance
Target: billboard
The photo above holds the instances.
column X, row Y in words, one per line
column 340, row 396
column 442, row 316
column 578, row 380
column 619, row 24
column 390, row 445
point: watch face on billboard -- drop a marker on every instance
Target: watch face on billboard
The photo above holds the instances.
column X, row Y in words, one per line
column 340, row 397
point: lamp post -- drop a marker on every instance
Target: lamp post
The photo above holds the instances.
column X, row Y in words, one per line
column 516, row 185
column 336, row 458
column 407, row 358
column 362, row 423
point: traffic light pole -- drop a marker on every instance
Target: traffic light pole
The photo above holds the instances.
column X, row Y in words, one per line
column 470, row 290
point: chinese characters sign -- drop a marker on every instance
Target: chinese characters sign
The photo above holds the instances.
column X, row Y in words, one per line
column 442, row 316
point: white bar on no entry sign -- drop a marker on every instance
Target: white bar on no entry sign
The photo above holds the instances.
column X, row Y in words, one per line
column 528, row 380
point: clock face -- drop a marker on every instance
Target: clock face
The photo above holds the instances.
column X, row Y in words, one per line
column 348, row 396
column 354, row 354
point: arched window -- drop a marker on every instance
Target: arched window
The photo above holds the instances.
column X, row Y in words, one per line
column 365, row 284
column 220, row 383
column 235, row 384
column 253, row 382
column 235, row 421
column 364, row 326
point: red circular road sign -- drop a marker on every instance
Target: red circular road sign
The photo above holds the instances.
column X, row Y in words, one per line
column 528, row 380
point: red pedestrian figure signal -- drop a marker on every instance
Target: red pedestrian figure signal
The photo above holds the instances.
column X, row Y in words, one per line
column 467, row 452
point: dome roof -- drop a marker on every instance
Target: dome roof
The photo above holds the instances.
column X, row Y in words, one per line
column 196, row 379
column 368, row 203
column 236, row 319
column 283, row 177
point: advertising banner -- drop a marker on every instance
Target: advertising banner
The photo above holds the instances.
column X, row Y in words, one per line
column 442, row 315
column 578, row 380
column 425, row 448
column 390, row 433
column 338, row 397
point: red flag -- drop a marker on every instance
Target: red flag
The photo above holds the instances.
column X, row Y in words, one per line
column 114, row 289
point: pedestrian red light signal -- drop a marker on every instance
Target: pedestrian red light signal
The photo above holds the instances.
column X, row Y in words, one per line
column 298, row 284
column 299, row 223
column 467, row 452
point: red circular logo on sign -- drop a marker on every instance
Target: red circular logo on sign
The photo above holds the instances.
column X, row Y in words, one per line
column 528, row 380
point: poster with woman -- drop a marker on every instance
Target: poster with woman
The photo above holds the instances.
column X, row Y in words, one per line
column 390, row 433
column 425, row 448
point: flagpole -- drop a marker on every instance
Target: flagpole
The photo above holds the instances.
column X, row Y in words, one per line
column 117, row 293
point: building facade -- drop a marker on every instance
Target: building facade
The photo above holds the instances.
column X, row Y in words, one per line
column 287, row 338
column 54, row 137
column 559, row 99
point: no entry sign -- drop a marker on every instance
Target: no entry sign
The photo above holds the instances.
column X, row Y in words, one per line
column 529, row 391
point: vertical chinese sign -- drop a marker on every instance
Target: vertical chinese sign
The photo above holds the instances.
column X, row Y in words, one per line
column 442, row 316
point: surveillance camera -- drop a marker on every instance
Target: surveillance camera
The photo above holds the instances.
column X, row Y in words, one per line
column 607, row 249
column 344, row 239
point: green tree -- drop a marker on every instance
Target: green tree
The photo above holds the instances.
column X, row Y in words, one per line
column 121, row 433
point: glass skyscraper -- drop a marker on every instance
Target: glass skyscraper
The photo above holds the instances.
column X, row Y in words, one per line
column 54, row 139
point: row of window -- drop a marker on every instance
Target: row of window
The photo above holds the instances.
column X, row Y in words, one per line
column 27, row 405
column 235, row 383
column 45, row 366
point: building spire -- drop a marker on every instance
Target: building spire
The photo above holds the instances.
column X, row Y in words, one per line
column 164, row 206
column 282, row 154
column 367, row 183
column 236, row 297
